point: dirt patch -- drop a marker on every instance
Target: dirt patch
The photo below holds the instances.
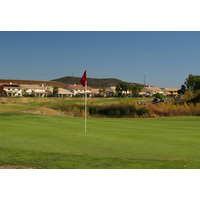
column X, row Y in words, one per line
column 45, row 111
column 49, row 111
column 15, row 167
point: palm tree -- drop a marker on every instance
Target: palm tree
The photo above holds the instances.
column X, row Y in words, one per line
column 120, row 87
column 24, row 92
column 136, row 89
column 55, row 91
column 104, row 91
column 132, row 89
column 125, row 88
column 32, row 93
column 100, row 91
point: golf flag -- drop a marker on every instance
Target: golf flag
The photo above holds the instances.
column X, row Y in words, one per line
column 84, row 83
column 84, row 79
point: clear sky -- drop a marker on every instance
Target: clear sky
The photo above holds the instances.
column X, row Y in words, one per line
column 165, row 58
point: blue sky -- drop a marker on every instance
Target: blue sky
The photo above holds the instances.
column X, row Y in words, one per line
column 165, row 58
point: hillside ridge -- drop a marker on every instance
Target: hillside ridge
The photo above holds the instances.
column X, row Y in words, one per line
column 92, row 82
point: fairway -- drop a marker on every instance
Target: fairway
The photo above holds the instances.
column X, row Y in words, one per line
column 40, row 141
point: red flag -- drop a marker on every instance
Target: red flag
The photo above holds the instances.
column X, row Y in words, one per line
column 84, row 79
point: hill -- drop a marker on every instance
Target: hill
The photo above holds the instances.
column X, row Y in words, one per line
column 92, row 82
column 34, row 82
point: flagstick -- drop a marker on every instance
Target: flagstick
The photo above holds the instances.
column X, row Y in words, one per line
column 85, row 104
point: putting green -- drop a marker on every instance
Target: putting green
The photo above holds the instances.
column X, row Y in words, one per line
column 59, row 142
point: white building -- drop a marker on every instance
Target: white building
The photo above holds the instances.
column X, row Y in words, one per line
column 79, row 90
column 61, row 92
column 142, row 93
column 94, row 92
column 10, row 89
column 153, row 90
column 37, row 90
column 111, row 89
column 171, row 91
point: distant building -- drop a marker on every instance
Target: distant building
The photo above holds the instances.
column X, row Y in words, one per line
column 171, row 91
column 37, row 90
column 10, row 89
column 150, row 91
column 94, row 92
column 61, row 92
column 142, row 93
column 79, row 90
column 111, row 89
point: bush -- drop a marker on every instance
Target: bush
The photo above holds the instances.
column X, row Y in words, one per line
column 119, row 110
column 159, row 96
column 143, row 111
column 128, row 109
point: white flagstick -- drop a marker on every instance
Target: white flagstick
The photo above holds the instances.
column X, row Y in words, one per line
column 85, row 104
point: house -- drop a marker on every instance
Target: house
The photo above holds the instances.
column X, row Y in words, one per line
column 79, row 90
column 35, row 90
column 171, row 91
column 143, row 93
column 94, row 92
column 110, row 91
column 10, row 89
column 150, row 91
column 61, row 92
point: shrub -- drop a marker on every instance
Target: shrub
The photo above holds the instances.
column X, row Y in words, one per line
column 142, row 111
column 129, row 109
column 119, row 110
column 159, row 96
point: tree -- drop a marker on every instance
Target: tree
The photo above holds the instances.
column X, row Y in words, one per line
column 112, row 94
column 159, row 96
column 197, row 86
column 138, row 88
column 100, row 91
column 132, row 89
column 32, row 93
column 193, row 82
column 182, row 90
column 3, row 92
column 135, row 89
column 125, row 87
column 104, row 90
column 24, row 92
column 119, row 88
column 55, row 91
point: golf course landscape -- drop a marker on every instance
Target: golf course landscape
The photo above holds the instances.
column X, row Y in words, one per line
column 32, row 137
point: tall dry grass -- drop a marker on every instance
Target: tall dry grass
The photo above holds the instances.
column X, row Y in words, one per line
column 131, row 110
column 170, row 109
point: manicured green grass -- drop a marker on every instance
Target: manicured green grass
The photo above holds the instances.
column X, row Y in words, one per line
column 58, row 142
column 15, row 108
